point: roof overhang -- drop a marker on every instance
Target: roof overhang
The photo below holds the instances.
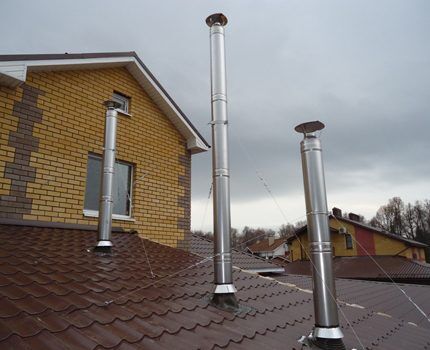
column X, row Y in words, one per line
column 14, row 69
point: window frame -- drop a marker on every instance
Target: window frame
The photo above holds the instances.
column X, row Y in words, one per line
column 95, row 213
column 120, row 97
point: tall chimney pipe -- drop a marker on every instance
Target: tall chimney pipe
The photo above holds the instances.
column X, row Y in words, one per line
column 224, row 289
column 326, row 333
column 104, row 243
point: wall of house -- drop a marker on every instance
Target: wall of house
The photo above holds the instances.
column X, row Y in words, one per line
column 339, row 241
column 50, row 125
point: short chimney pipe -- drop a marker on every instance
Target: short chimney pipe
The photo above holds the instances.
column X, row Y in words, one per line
column 224, row 289
column 104, row 243
column 326, row 333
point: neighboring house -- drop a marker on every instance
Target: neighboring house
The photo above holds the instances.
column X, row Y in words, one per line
column 55, row 293
column 51, row 139
column 269, row 248
column 204, row 247
column 353, row 238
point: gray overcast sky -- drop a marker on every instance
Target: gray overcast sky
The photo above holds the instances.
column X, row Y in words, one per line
column 361, row 67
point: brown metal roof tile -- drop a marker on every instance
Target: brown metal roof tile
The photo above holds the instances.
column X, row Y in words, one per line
column 90, row 301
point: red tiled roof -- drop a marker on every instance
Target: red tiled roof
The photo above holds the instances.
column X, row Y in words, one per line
column 55, row 293
column 264, row 246
column 364, row 267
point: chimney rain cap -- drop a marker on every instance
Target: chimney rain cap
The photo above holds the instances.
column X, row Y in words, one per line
column 111, row 104
column 216, row 18
column 309, row 127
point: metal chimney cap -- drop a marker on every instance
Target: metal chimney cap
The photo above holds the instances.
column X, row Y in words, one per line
column 309, row 127
column 111, row 104
column 216, row 18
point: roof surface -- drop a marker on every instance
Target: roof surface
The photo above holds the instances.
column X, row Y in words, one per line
column 264, row 246
column 55, row 293
column 364, row 267
column 13, row 71
column 383, row 297
column 205, row 247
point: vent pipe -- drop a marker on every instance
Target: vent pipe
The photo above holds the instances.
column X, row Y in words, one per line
column 104, row 243
column 326, row 333
column 224, row 289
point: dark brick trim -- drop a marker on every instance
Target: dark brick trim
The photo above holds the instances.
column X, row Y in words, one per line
column 48, row 224
column 16, row 204
column 184, row 223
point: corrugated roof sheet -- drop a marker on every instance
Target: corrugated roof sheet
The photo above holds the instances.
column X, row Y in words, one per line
column 55, row 293
column 205, row 247
column 364, row 267
column 381, row 297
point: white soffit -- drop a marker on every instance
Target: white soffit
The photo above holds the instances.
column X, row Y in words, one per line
column 13, row 73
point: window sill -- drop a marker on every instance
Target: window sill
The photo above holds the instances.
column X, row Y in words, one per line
column 120, row 111
column 95, row 214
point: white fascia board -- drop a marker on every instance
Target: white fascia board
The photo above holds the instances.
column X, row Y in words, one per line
column 12, row 74
column 77, row 63
column 194, row 142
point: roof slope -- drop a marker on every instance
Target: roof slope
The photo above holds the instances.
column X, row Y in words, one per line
column 55, row 293
column 264, row 246
column 205, row 247
column 364, row 267
column 14, row 68
column 381, row 297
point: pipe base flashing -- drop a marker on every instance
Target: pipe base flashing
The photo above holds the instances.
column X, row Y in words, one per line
column 324, row 338
column 328, row 344
column 225, row 301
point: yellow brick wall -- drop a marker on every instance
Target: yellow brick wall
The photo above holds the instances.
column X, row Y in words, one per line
column 72, row 126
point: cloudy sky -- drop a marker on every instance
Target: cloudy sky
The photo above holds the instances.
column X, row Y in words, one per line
column 361, row 67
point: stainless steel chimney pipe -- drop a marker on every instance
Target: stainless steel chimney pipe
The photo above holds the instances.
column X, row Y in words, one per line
column 104, row 243
column 220, row 165
column 327, row 333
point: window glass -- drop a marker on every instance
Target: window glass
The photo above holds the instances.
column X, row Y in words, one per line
column 348, row 241
column 121, row 186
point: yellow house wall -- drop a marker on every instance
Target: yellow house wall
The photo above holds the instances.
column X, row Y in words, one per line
column 72, row 126
column 388, row 246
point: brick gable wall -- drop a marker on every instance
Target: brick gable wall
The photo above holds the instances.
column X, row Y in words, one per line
column 50, row 125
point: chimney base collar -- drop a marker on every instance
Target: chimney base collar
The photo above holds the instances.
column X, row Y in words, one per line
column 225, row 289
column 103, row 247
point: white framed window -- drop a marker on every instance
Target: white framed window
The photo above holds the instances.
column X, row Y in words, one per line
column 122, row 188
column 124, row 102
